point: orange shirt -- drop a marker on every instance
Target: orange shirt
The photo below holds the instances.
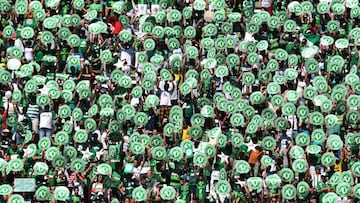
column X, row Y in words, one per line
column 254, row 156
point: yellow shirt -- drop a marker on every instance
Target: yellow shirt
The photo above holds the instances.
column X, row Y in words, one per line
column 338, row 167
column 185, row 135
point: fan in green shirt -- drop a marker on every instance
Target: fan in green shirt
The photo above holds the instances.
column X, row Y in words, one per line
column 75, row 197
column 95, row 6
column 201, row 186
column 322, row 187
column 184, row 189
column 129, row 187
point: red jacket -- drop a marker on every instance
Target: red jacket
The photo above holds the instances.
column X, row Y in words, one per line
column 117, row 27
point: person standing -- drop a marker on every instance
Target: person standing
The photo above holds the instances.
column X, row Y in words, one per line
column 46, row 122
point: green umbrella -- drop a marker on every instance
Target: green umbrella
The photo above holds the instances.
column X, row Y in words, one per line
column 158, row 153
column 199, row 5
column 273, row 181
column 61, row 193
column 223, row 187
column 106, row 56
column 330, row 197
column 272, row 65
column 27, row 32
column 42, row 193
column 78, row 4
column 70, row 152
column 254, row 183
column 174, row 15
column 15, row 52
column 104, row 169
column 323, row 7
column 167, row 193
column 289, row 26
column 268, row 143
column 64, row 111
column 333, row 26
column 139, row 194
column 51, row 153
column 326, row 40
column 296, row 152
column 50, row 22
column 343, row 189
column 286, row 175
column 318, row 135
column 288, row 191
column 341, row 43
column 220, row 43
column 267, row 161
column 207, row 111
column 21, row 8
column 74, row 40
column 328, row 159
column 355, row 169
column 16, row 165
column 149, row 44
column 355, row 12
column 125, row 36
column 81, row 136
column 8, row 31
column 40, row 168
column 61, row 137
column 300, row 165
column 313, row 149
column 252, row 28
column 16, row 198
column 338, row 8
column 59, row 161
column 5, row 189
column 140, row 118
column 288, row 109
column 44, row 143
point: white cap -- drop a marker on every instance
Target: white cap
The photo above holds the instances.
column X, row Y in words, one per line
column 20, row 118
column 8, row 94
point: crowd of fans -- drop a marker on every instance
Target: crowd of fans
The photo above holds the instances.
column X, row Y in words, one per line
column 180, row 101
